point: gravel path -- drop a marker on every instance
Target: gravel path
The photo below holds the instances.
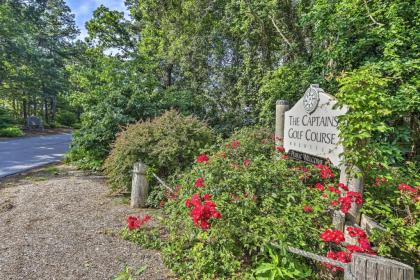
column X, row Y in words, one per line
column 63, row 227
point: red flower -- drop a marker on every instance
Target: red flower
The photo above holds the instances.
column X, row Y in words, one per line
column 344, row 187
column 319, row 186
column 202, row 212
column 324, row 171
column 235, row 144
column 307, row 209
column 284, row 157
column 135, row 223
column 334, row 190
column 334, row 203
column 332, row 255
column 343, row 257
column 188, row 203
column 347, row 200
column 354, row 248
column 280, row 149
column 405, row 187
column 356, row 232
column 332, row 235
column 202, row 158
column 199, row 182
column 247, row 162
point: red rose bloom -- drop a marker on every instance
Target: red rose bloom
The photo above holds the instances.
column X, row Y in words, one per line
column 324, row 171
column 202, row 212
column 344, row 187
column 307, row 209
column 319, row 186
column 247, row 162
column 405, row 187
column 280, row 149
column 332, row 235
column 199, row 182
column 135, row 222
column 202, row 158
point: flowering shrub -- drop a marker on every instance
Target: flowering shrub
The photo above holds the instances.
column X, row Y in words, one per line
column 337, row 237
column 234, row 204
column 224, row 213
column 391, row 198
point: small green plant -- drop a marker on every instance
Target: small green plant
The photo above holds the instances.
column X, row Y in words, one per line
column 128, row 274
column 282, row 266
column 11, row 132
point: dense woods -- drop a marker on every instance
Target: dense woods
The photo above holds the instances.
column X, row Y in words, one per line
column 36, row 45
column 223, row 61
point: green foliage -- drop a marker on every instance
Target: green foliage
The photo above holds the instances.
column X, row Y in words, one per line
column 128, row 274
column 6, row 118
column 397, row 212
column 167, row 144
column 149, row 238
column 66, row 118
column 282, row 266
column 11, row 132
column 261, row 201
column 36, row 44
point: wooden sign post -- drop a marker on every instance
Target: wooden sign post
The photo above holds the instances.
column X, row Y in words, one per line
column 309, row 132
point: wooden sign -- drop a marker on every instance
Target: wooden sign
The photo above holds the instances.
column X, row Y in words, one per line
column 311, row 128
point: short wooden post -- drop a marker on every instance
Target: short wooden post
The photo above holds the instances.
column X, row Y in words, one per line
column 354, row 184
column 281, row 107
column 366, row 267
column 139, row 186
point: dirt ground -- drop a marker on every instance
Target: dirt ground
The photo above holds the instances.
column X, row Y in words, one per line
column 59, row 223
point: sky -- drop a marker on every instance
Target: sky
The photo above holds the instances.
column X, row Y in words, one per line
column 83, row 10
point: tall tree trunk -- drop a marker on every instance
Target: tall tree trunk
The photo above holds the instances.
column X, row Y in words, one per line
column 35, row 106
column 53, row 108
column 46, row 110
column 24, row 109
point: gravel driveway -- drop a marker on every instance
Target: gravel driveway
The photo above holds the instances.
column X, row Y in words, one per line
column 63, row 226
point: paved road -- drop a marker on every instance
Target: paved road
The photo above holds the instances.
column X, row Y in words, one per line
column 17, row 155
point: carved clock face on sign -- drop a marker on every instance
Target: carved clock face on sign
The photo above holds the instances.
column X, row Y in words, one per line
column 311, row 99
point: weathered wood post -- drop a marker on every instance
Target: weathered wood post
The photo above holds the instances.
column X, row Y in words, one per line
column 367, row 267
column 139, row 186
column 355, row 184
column 281, row 107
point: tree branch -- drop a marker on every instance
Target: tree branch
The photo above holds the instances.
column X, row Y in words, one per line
column 370, row 16
column 279, row 31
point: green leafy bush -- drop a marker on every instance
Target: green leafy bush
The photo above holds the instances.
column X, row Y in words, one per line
column 66, row 118
column 6, row 119
column 397, row 209
column 166, row 144
column 11, row 132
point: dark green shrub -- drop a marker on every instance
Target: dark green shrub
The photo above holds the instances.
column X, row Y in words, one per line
column 66, row 118
column 167, row 144
column 6, row 119
column 11, row 132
